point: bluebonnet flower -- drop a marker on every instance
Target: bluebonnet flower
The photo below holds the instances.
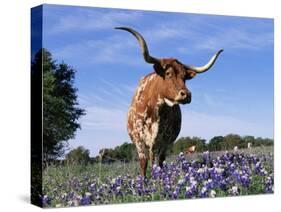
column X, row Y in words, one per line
column 188, row 192
column 245, row 180
column 175, row 194
column 180, row 157
column 209, row 184
column 258, row 167
column 118, row 191
column 269, row 184
column 139, row 184
column 118, row 180
column 92, row 187
column 86, row 200
column 263, row 172
column 231, row 167
column 203, row 192
column 185, row 165
column 46, row 200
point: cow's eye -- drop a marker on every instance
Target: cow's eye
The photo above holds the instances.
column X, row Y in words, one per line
column 169, row 74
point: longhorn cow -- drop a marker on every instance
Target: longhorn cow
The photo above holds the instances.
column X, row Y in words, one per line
column 154, row 117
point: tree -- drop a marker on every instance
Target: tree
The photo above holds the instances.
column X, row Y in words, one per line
column 60, row 105
column 263, row 142
column 247, row 139
column 179, row 146
column 232, row 140
column 80, row 155
column 125, row 152
column 216, row 143
column 199, row 143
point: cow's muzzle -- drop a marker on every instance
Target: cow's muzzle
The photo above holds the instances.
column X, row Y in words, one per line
column 183, row 97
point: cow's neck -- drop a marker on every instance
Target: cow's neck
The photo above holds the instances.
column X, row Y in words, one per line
column 148, row 97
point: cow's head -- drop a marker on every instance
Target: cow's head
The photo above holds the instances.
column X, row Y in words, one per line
column 172, row 72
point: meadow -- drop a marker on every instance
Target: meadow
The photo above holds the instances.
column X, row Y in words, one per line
column 198, row 175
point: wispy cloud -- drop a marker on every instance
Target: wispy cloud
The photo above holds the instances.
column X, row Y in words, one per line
column 119, row 90
column 113, row 50
column 101, row 118
column 88, row 20
column 187, row 34
column 108, row 94
column 237, row 39
column 102, row 127
column 199, row 34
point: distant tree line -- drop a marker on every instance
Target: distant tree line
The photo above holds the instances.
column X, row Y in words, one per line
column 127, row 151
column 218, row 143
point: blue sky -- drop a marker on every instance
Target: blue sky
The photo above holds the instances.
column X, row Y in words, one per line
column 235, row 96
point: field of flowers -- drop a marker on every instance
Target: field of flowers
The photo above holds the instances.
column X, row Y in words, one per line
column 215, row 174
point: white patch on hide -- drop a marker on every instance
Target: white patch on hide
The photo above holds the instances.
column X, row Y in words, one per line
column 169, row 102
column 160, row 101
column 139, row 94
column 150, row 136
column 151, row 77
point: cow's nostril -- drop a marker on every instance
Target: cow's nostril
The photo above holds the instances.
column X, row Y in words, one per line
column 183, row 93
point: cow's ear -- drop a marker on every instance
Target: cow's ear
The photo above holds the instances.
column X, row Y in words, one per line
column 159, row 69
column 190, row 74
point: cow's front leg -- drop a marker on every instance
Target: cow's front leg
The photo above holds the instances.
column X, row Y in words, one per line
column 142, row 157
column 143, row 163
column 162, row 157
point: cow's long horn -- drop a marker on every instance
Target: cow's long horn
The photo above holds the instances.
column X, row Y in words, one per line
column 206, row 67
column 144, row 49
